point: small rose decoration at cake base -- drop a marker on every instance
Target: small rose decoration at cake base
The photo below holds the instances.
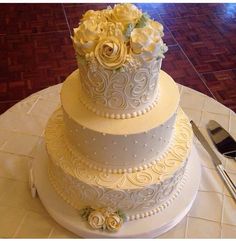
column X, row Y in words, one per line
column 113, row 222
column 96, row 220
column 111, row 52
column 103, row 218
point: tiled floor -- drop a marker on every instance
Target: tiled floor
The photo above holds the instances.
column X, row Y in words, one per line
column 36, row 50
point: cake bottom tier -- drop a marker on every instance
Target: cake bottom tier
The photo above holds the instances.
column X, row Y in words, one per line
column 137, row 194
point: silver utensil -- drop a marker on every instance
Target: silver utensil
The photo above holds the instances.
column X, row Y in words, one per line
column 229, row 183
column 222, row 140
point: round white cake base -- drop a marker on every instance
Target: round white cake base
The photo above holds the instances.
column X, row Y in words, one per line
column 148, row 227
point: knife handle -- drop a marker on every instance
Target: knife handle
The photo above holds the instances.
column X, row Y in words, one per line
column 227, row 181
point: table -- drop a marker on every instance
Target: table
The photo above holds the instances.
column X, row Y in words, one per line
column 213, row 214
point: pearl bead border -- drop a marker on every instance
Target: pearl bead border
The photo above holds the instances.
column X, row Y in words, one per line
column 105, row 114
column 141, row 215
column 89, row 163
column 164, row 205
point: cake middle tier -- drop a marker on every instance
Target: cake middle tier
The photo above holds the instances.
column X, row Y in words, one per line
column 123, row 145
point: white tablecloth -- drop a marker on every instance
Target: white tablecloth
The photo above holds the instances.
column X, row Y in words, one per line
column 213, row 214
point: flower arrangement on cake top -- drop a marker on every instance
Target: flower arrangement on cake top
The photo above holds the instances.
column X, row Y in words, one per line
column 115, row 36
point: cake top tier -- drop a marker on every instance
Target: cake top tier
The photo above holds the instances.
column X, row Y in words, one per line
column 119, row 52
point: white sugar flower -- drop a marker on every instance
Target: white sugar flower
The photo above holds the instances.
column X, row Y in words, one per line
column 96, row 220
column 126, row 13
column 156, row 26
column 113, row 222
column 100, row 16
column 146, row 43
column 86, row 36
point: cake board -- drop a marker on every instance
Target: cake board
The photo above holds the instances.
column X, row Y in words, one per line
column 148, row 227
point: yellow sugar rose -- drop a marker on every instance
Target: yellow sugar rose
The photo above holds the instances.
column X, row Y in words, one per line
column 113, row 222
column 96, row 220
column 126, row 13
column 111, row 52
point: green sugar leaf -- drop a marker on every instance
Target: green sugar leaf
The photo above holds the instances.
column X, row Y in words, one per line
column 121, row 214
column 84, row 213
column 128, row 31
column 142, row 21
column 81, row 59
column 163, row 50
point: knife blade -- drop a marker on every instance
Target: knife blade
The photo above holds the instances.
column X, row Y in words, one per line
column 222, row 140
column 216, row 160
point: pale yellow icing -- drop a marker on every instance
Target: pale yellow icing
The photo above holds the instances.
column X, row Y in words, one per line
column 159, row 114
column 119, row 52
column 120, row 139
column 128, row 191
column 120, row 145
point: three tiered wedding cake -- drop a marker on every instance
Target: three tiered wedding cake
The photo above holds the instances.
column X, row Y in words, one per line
column 119, row 144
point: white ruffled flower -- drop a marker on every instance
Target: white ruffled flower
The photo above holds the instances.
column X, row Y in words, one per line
column 126, row 13
column 156, row 26
column 100, row 16
column 96, row 220
column 86, row 36
column 146, row 43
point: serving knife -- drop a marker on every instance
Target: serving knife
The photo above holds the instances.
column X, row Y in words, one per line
column 222, row 140
column 229, row 183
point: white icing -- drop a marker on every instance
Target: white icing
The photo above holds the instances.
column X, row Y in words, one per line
column 127, row 153
column 136, row 140
column 119, row 52
column 93, row 164
column 120, row 94
column 138, row 191
column 165, row 109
